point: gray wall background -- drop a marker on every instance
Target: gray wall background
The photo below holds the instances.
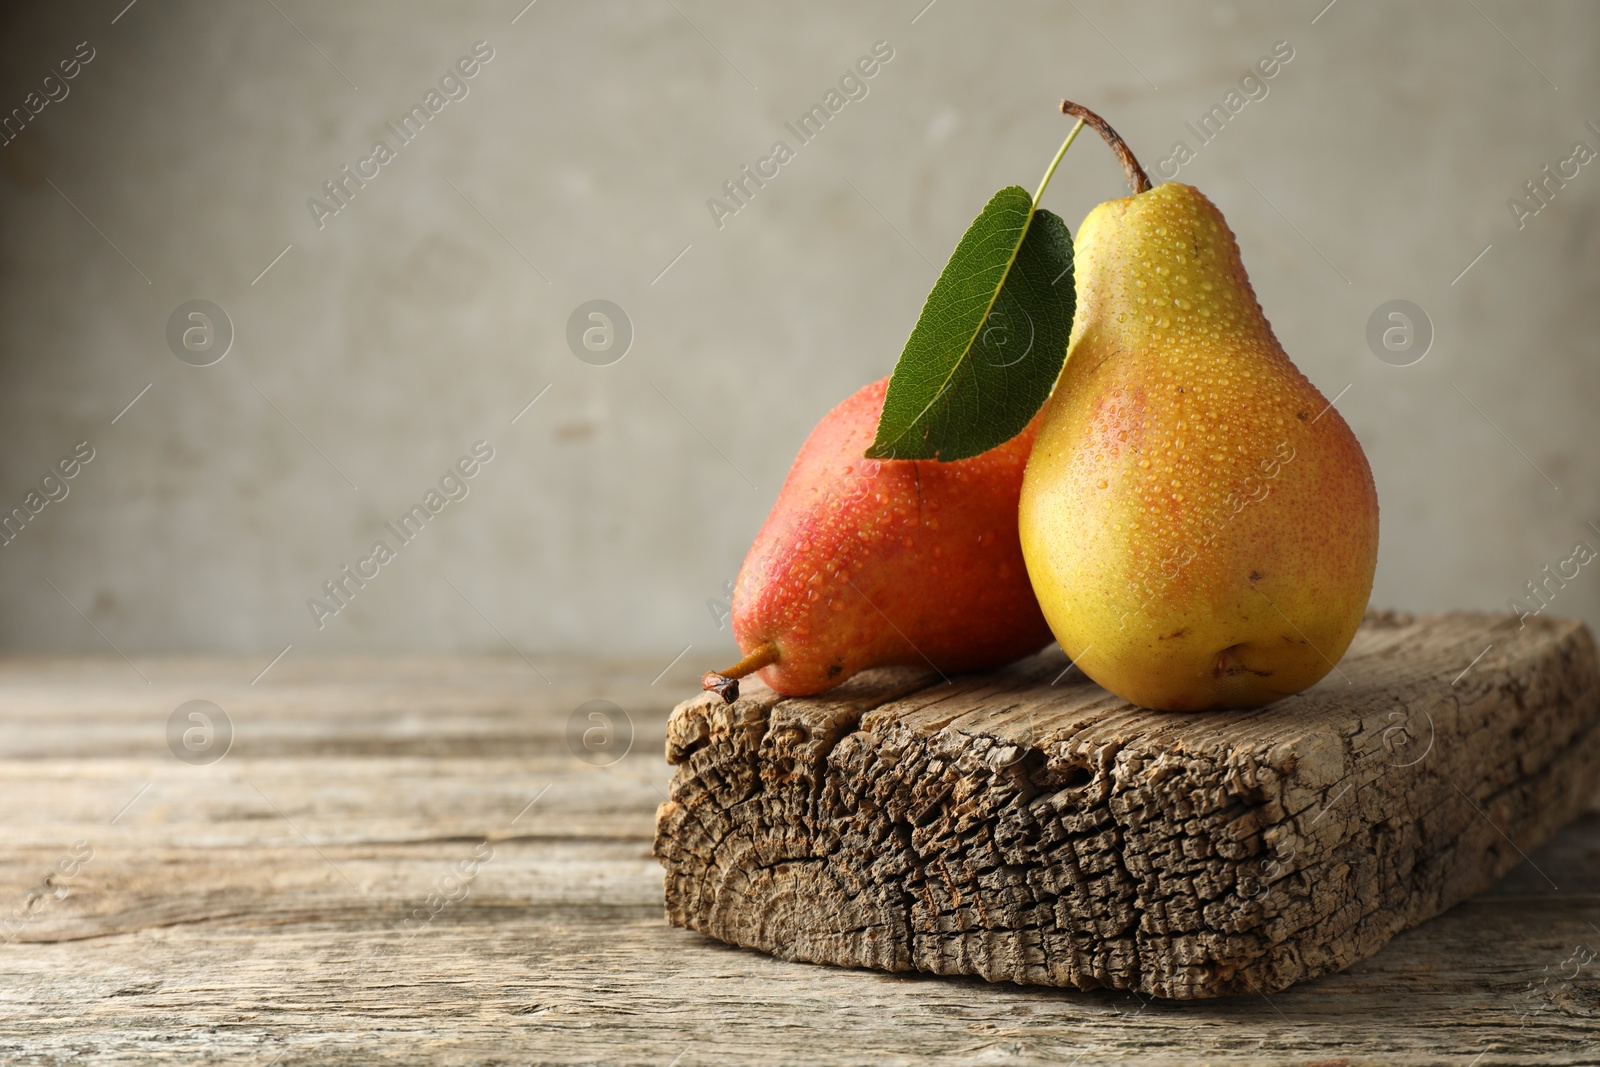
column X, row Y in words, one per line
column 428, row 312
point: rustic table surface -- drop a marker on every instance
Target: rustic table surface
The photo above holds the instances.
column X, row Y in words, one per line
column 449, row 861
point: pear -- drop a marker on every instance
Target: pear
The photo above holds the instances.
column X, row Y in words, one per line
column 1198, row 521
column 869, row 563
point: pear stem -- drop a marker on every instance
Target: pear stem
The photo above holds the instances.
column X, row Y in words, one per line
column 1138, row 180
column 1043, row 182
column 725, row 683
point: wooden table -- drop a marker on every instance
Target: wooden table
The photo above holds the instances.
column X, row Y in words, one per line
column 273, row 905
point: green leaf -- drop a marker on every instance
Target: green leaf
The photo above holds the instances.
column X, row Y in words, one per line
column 990, row 341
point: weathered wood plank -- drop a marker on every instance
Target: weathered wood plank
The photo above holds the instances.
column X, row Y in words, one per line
column 1021, row 830
column 206, row 929
column 584, row 981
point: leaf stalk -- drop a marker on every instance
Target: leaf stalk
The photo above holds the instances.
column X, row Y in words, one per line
column 1051, row 173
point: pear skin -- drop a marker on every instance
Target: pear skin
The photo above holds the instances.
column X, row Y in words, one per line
column 869, row 563
column 1200, row 524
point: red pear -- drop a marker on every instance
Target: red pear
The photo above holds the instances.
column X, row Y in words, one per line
column 868, row 563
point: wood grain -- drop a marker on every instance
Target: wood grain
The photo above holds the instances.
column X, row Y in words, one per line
column 1020, row 827
column 245, row 912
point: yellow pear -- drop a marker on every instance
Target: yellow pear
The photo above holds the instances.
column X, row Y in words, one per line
column 1199, row 523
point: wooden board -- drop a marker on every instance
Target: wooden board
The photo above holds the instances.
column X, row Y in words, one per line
column 1028, row 827
column 244, row 912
